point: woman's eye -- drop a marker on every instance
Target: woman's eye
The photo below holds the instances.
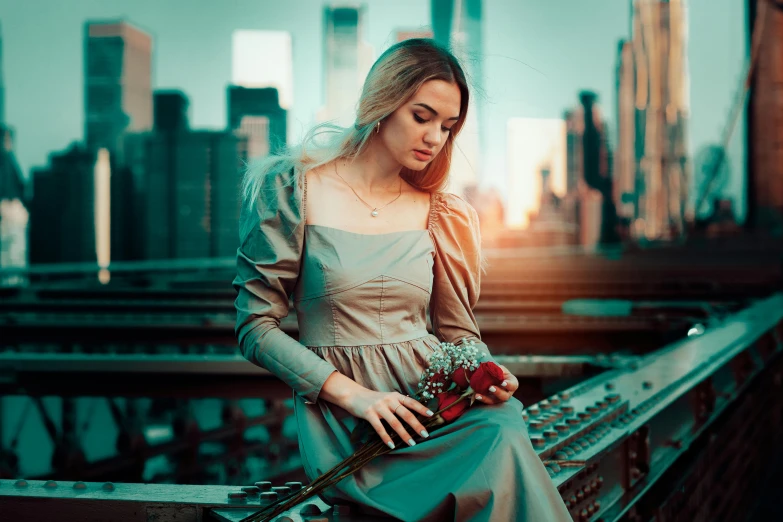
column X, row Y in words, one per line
column 422, row 120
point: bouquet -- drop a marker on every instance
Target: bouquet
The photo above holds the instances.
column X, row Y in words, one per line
column 448, row 386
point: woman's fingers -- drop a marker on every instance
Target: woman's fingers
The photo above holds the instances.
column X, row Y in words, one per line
column 408, row 416
column 396, row 425
column 510, row 381
column 377, row 425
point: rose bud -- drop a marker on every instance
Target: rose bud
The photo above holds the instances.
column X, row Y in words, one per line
column 486, row 375
column 461, row 377
column 448, row 398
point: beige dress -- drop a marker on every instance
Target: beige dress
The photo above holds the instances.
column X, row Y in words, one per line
column 362, row 302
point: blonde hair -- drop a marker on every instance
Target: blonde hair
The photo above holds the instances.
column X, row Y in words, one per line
column 393, row 79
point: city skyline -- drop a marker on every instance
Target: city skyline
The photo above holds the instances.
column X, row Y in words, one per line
column 543, row 86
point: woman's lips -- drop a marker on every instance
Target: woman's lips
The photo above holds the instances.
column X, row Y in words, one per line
column 422, row 156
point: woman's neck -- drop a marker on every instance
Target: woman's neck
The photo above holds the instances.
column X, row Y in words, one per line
column 373, row 172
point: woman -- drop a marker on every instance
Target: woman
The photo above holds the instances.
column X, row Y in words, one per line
column 360, row 233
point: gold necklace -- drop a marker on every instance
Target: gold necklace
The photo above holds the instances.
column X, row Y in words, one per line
column 375, row 210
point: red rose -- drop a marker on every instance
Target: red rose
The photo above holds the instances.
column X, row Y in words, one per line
column 486, row 375
column 440, row 377
column 448, row 398
column 462, row 377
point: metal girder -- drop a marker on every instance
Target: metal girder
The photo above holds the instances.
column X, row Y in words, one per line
column 606, row 442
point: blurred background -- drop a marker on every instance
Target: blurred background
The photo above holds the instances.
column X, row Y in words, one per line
column 624, row 157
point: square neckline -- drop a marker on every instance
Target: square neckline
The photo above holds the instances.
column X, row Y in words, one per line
column 429, row 218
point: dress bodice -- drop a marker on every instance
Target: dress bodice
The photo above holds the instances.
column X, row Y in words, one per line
column 358, row 289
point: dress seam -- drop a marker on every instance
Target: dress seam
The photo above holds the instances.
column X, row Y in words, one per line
column 380, row 311
column 334, row 319
column 432, row 218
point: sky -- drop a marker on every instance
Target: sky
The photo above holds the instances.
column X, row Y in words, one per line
column 538, row 54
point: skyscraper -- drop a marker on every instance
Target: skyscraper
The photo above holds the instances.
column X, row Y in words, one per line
column 13, row 214
column 62, row 211
column 118, row 82
column 625, row 190
column 458, row 24
column 661, row 99
column 264, row 59
column 589, row 173
column 2, row 81
column 255, row 115
column 186, row 186
column 765, row 127
column 347, row 60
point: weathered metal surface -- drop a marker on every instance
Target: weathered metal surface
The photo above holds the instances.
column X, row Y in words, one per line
column 606, row 442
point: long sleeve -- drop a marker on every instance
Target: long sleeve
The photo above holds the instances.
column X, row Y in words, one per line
column 454, row 228
column 268, row 261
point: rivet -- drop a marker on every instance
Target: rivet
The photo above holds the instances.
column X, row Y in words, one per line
column 263, row 485
column 79, row 485
column 108, row 486
column 237, row 496
column 282, row 490
column 50, row 484
column 310, row 510
column 21, row 483
column 268, row 496
column 251, row 490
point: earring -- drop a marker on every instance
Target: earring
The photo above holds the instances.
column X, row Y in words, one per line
column 378, row 128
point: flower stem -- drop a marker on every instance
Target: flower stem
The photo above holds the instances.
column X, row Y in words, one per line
column 353, row 463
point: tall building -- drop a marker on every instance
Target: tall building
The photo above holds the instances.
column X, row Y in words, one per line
column 264, row 59
column 657, row 139
column 2, row 81
column 254, row 114
column 118, row 82
column 347, row 59
column 186, row 197
column 764, row 125
column 626, row 161
column 171, row 111
column 62, row 210
column 13, row 214
column 589, row 178
column 458, row 25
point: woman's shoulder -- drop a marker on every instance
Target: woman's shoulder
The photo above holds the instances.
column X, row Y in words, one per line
column 450, row 210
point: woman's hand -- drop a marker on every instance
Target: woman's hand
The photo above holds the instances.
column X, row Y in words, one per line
column 391, row 407
column 501, row 393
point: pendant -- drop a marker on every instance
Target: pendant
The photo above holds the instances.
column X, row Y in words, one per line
column 374, row 212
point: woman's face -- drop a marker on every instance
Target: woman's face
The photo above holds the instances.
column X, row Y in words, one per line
column 416, row 132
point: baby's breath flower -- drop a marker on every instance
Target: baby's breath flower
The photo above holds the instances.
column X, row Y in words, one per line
column 446, row 359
